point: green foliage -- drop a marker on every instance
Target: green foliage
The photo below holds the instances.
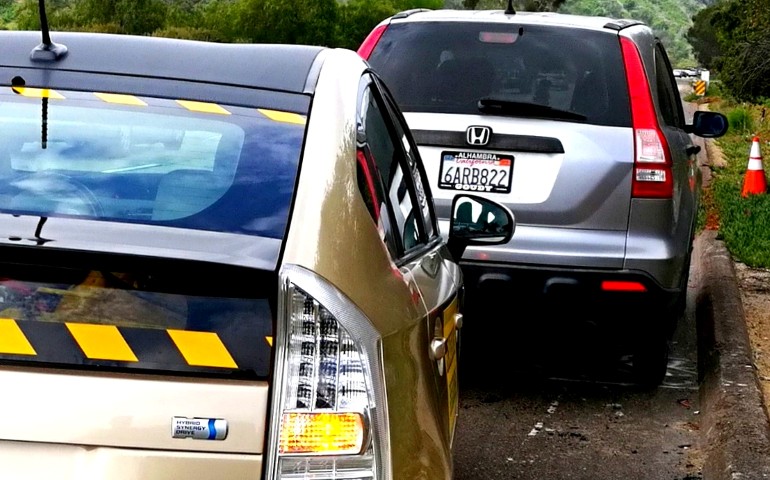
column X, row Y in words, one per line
column 669, row 19
column 523, row 5
column 743, row 222
column 220, row 16
column 138, row 17
column 6, row 11
column 316, row 22
column 732, row 36
column 189, row 33
column 692, row 97
column 357, row 18
column 287, row 21
column 715, row 88
column 703, row 38
column 740, row 120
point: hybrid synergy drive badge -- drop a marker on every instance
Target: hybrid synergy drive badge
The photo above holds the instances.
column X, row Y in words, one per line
column 199, row 428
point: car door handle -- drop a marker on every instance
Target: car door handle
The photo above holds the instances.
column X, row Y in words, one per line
column 438, row 346
column 692, row 149
column 438, row 349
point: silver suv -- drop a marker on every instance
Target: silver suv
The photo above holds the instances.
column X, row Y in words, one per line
column 577, row 125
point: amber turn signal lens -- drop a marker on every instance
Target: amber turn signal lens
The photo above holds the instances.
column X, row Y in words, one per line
column 325, row 433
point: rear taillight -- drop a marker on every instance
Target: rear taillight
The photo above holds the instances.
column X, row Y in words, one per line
column 328, row 419
column 365, row 50
column 653, row 174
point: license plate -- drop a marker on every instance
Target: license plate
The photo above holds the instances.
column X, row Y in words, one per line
column 476, row 172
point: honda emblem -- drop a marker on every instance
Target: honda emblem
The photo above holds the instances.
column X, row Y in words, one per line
column 478, row 135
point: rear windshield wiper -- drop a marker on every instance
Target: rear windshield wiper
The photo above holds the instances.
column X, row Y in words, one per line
column 525, row 109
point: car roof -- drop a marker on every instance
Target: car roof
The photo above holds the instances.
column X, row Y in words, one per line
column 519, row 18
column 287, row 68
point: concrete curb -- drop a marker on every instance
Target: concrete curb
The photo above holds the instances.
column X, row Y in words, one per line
column 735, row 431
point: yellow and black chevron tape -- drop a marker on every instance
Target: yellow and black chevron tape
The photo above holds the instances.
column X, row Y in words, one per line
column 131, row 100
column 700, row 87
column 87, row 344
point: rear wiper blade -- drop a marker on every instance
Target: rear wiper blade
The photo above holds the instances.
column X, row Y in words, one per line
column 525, row 109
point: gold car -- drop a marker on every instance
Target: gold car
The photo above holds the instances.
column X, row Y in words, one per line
column 220, row 262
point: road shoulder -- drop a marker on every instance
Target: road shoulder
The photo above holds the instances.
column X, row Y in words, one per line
column 735, row 428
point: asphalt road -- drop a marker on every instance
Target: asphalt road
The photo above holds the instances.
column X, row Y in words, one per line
column 557, row 402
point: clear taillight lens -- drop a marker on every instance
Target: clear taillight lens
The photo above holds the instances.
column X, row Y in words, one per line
column 325, row 423
column 649, row 147
column 325, row 370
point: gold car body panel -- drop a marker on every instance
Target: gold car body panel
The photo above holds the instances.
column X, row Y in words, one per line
column 129, row 411
column 332, row 234
column 108, row 426
column 44, row 461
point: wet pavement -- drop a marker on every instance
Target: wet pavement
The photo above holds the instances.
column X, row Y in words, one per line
column 563, row 406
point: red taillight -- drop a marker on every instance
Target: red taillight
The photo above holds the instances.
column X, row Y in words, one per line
column 361, row 157
column 622, row 286
column 365, row 50
column 653, row 175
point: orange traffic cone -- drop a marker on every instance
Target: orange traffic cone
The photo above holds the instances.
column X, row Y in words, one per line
column 754, row 182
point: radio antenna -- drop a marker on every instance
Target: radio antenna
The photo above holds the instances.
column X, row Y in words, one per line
column 46, row 51
column 508, row 11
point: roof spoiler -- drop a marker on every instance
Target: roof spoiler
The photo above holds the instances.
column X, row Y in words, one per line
column 622, row 23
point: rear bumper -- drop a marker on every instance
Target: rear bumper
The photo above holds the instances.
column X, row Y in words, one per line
column 572, row 289
column 651, row 253
column 39, row 461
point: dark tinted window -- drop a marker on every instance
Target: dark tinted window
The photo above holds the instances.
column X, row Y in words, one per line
column 449, row 66
column 383, row 177
column 161, row 316
column 669, row 101
column 413, row 163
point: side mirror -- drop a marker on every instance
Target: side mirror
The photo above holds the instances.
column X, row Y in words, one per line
column 478, row 221
column 708, row 124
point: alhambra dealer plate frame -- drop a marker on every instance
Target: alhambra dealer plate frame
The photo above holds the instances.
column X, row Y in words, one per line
column 475, row 171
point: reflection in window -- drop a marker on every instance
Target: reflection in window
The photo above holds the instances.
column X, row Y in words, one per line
column 148, row 160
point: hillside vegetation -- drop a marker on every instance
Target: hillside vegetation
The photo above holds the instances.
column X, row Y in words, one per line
column 326, row 22
column 318, row 22
column 670, row 19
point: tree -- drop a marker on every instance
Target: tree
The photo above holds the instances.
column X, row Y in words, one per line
column 138, row 17
column 524, row 5
column 288, row 21
column 703, row 38
column 737, row 45
column 357, row 18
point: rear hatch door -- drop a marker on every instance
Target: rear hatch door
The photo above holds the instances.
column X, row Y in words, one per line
column 110, row 354
column 534, row 116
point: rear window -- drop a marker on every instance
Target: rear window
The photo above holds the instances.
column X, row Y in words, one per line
column 153, row 317
column 148, row 160
column 447, row 67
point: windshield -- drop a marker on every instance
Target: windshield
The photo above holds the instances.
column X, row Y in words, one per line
column 148, row 160
column 447, row 67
